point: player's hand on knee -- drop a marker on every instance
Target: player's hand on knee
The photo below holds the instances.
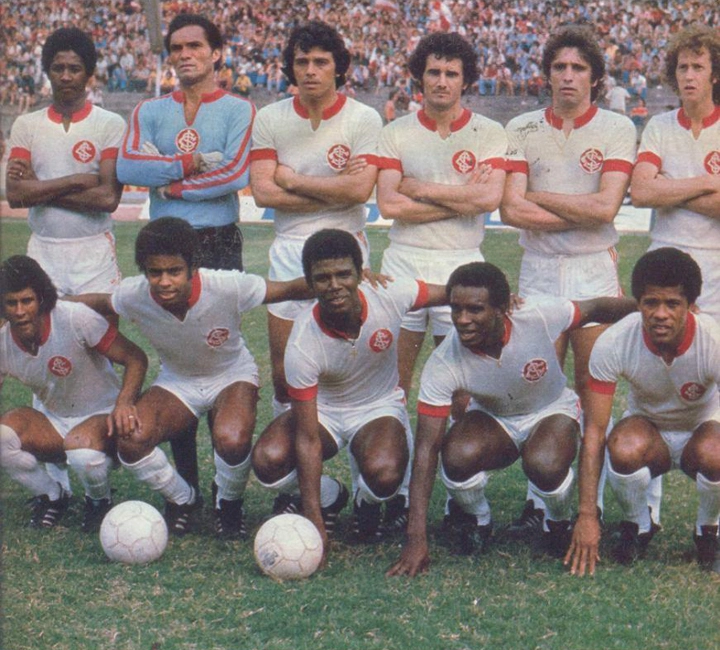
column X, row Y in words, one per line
column 124, row 421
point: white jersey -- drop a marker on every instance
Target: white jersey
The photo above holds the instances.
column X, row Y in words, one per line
column 282, row 131
column 40, row 138
column 69, row 374
column 675, row 397
column 413, row 146
column 668, row 143
column 526, row 378
column 207, row 341
column 601, row 141
column 346, row 373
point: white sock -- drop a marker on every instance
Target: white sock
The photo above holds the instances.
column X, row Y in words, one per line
column 329, row 491
column 158, row 474
column 470, row 495
column 709, row 502
column 557, row 503
column 279, row 407
column 654, row 497
column 288, row 484
column 364, row 493
column 58, row 472
column 93, row 469
column 631, row 493
column 231, row 479
column 23, row 467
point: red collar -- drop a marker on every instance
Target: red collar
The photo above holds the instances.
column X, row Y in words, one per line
column 557, row 122
column 686, row 342
column 684, row 120
column 45, row 327
column 331, row 331
column 330, row 111
column 57, row 117
column 195, row 292
column 456, row 125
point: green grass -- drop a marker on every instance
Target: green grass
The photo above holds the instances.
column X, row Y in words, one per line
column 59, row 592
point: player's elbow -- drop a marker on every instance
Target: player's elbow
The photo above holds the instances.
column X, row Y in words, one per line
column 509, row 214
column 640, row 197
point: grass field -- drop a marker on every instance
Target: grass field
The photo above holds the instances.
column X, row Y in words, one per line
column 59, row 592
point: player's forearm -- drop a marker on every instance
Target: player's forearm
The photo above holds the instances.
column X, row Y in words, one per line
column 308, row 450
column 400, row 207
column 579, row 209
column 296, row 289
column 343, row 189
column 99, row 302
column 28, row 193
column 135, row 369
column 521, row 213
column 707, row 205
column 662, row 192
column 269, row 195
column 592, row 454
column 463, row 199
column 103, row 198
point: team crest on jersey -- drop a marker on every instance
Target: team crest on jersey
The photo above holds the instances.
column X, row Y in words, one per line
column 187, row 140
column 535, row 370
column 60, row 366
column 338, row 156
column 218, row 337
column 591, row 161
column 692, row 391
column 712, row 163
column 381, row 340
column 84, row 151
column 464, row 161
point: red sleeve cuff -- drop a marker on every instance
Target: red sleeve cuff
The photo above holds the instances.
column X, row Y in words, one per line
column 371, row 159
column 303, row 394
column 389, row 163
column 495, row 163
column 601, row 387
column 433, row 411
column 618, row 166
column 19, row 152
column 107, row 340
column 110, row 154
column 174, row 190
column 422, row 296
column 650, row 157
column 263, row 154
column 517, row 167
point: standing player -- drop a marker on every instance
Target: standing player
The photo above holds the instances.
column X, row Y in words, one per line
column 62, row 167
column 191, row 148
column 341, row 364
column 520, row 408
column 568, row 171
column 64, row 353
column 441, row 169
column 313, row 161
column 192, row 318
column 678, row 167
column 670, row 358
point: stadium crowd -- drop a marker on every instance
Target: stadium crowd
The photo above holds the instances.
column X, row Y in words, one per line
column 508, row 36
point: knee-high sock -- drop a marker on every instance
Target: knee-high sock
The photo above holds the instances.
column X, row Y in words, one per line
column 158, row 474
column 364, row 493
column 59, row 472
column 654, row 497
column 709, row 505
column 231, row 479
column 557, row 503
column 631, row 493
column 329, row 487
column 470, row 495
column 92, row 467
column 23, row 467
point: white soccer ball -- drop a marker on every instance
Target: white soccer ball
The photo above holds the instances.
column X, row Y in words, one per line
column 288, row 547
column 133, row 532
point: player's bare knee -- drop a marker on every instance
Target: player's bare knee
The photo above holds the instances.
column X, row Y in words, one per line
column 271, row 462
column 232, row 444
column 627, row 451
column 384, row 475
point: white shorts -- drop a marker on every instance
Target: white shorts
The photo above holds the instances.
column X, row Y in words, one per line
column 432, row 266
column 519, row 427
column 199, row 393
column 82, row 265
column 286, row 264
column 707, row 260
column 63, row 425
column 576, row 277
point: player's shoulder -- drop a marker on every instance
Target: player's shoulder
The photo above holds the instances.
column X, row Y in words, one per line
column 529, row 120
column 611, row 120
column 708, row 324
column 103, row 114
column 478, row 120
column 280, row 107
column 236, row 101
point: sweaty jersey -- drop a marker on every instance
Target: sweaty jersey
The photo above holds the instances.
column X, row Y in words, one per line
column 208, row 340
column 40, row 138
column 283, row 132
column 676, row 397
column 222, row 124
column 69, row 374
column 668, row 143
column 601, row 141
column 412, row 146
column 345, row 373
column 526, row 377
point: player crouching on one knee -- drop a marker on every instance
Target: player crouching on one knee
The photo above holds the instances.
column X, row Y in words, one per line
column 342, row 372
column 64, row 353
column 520, row 408
column 670, row 357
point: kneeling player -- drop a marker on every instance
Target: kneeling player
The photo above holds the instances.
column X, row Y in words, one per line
column 670, row 358
column 63, row 353
column 520, row 408
column 341, row 369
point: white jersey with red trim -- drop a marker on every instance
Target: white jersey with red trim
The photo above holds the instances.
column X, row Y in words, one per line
column 413, row 146
column 668, row 143
column 526, row 377
column 283, row 132
column 207, row 341
column 675, row 397
column 601, row 141
column 69, row 373
column 40, row 138
column 347, row 373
